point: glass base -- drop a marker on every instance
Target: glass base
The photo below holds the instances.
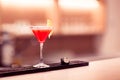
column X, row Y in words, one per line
column 41, row 65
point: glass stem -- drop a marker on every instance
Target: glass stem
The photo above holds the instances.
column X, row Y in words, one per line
column 41, row 53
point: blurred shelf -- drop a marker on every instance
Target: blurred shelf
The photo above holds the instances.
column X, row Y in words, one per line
column 82, row 20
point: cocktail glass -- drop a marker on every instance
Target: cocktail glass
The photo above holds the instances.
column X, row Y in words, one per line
column 41, row 33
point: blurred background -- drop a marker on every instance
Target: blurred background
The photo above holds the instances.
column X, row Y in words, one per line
column 82, row 29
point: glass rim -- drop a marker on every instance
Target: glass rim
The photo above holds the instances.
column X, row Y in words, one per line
column 41, row 27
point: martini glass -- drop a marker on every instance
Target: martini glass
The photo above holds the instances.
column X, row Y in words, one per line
column 41, row 33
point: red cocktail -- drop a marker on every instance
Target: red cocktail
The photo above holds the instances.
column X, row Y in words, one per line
column 41, row 33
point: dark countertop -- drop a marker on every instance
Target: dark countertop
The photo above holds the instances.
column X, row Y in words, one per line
column 4, row 72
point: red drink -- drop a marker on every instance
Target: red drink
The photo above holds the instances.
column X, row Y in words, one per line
column 41, row 34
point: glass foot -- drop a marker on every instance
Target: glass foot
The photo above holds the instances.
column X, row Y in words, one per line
column 41, row 65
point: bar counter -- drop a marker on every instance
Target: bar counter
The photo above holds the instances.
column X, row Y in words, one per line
column 107, row 69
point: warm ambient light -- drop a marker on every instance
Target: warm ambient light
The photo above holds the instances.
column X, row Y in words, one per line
column 75, row 4
column 27, row 3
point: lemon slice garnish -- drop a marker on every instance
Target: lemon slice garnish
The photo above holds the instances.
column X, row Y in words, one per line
column 50, row 24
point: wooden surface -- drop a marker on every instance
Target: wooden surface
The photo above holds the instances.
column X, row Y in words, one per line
column 97, row 70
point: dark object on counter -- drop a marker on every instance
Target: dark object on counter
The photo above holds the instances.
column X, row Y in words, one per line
column 28, row 70
column 65, row 61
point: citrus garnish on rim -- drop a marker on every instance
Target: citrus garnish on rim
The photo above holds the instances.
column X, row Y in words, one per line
column 50, row 24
